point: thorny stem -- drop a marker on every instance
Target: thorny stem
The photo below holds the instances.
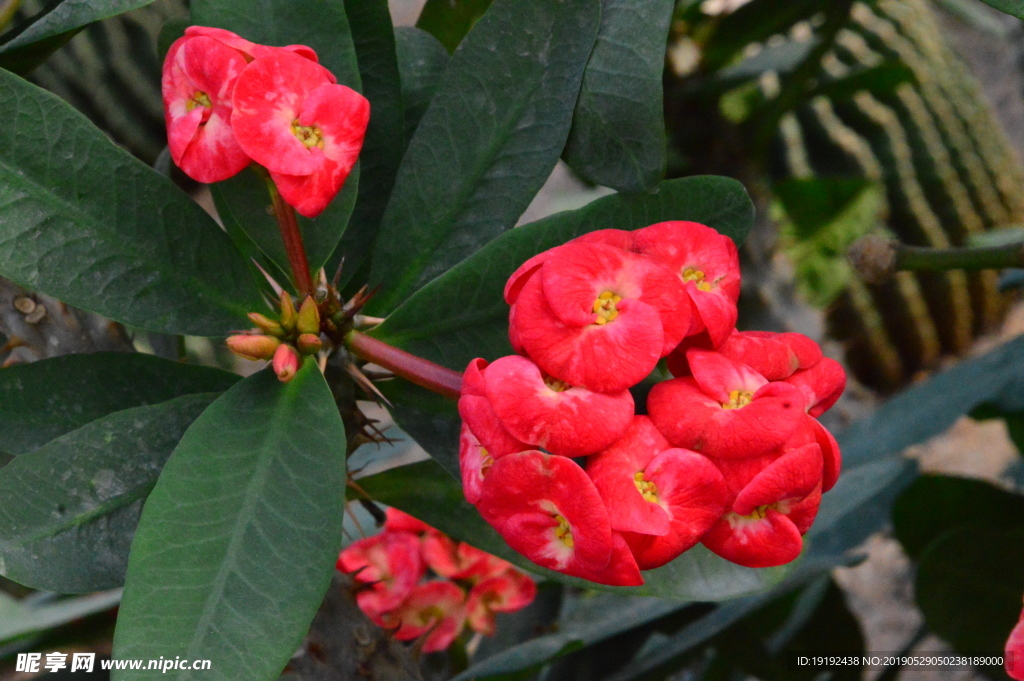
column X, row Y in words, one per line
column 415, row 369
column 291, row 236
column 876, row 258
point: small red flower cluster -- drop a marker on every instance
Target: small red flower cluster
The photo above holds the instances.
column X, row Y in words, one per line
column 730, row 453
column 1013, row 661
column 229, row 102
column 472, row 588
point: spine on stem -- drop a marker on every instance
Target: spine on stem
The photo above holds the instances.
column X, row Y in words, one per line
column 415, row 369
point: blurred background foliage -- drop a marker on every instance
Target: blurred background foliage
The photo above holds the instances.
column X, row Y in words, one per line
column 843, row 118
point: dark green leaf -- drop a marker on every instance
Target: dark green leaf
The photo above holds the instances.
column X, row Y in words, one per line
column 1012, row 7
column 489, row 140
column 432, row 421
column 969, row 586
column 618, row 129
column 70, row 508
column 20, row 618
column 754, row 22
column 385, row 136
column 934, row 504
column 84, row 221
column 237, row 542
column 45, row 399
column 427, row 491
column 450, row 20
column 40, row 36
column 244, row 204
column 814, row 203
column 877, row 79
column 421, row 61
column 462, row 314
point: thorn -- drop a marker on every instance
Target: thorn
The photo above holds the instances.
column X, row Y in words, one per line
column 337, row 273
column 373, row 509
column 365, row 383
column 363, row 321
column 273, row 284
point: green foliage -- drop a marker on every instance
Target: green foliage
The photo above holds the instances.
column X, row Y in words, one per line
column 462, row 314
column 450, row 20
column 71, row 507
column 471, row 170
column 89, row 224
column 237, row 542
column 18, row 619
column 1012, row 7
column 45, row 399
column 28, row 45
column 421, row 62
column 618, row 128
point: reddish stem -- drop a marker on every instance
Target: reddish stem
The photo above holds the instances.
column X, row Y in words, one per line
column 292, row 238
column 415, row 369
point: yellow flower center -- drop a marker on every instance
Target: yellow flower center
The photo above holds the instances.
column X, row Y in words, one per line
column 309, row 135
column 692, row 274
column 738, row 398
column 648, row 490
column 486, row 462
column 604, row 306
column 563, row 531
column 758, row 513
column 555, row 384
column 198, row 98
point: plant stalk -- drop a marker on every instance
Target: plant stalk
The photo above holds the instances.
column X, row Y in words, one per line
column 415, row 369
column 292, row 238
column 877, row 258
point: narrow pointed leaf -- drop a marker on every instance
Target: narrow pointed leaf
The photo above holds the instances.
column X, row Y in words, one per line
column 237, row 542
column 71, row 507
column 462, row 314
column 450, row 20
column 489, row 140
column 618, row 129
column 43, row 400
column 84, row 221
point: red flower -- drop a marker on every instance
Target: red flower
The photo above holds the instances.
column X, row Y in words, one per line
column 1014, row 659
column 773, row 355
column 708, row 264
column 821, row 384
column 292, row 117
column 776, row 497
column 507, row 592
column 390, row 562
column 249, row 49
column 454, row 560
column 547, row 509
column 434, row 607
column 399, row 521
column 199, row 76
column 726, row 409
column 599, row 317
column 546, row 412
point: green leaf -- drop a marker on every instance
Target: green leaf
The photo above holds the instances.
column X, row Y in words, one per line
column 450, row 20
column 753, row 22
column 618, row 129
column 324, row 26
column 42, row 400
column 237, row 542
column 489, row 140
column 462, row 314
column 876, row 79
column 421, row 61
column 426, row 491
column 243, row 203
column 969, row 586
column 71, row 507
column 84, row 221
column 1012, row 7
column 934, row 504
column 385, row 136
column 18, row 618
column 28, row 45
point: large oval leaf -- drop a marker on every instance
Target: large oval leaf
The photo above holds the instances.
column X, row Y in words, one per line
column 86, row 222
column 70, row 508
column 421, row 62
column 618, row 130
column 237, row 542
column 43, row 400
column 462, row 314
column 489, row 140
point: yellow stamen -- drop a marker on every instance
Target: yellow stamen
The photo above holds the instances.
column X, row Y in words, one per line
column 738, row 398
column 563, row 531
column 604, row 306
column 198, row 98
column 486, row 463
column 693, row 274
column 309, row 135
column 555, row 384
column 648, row 490
column 758, row 513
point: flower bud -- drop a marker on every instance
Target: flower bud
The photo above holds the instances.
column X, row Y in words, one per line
column 309, row 344
column 286, row 362
column 288, row 315
column 266, row 324
column 251, row 346
column 309, row 317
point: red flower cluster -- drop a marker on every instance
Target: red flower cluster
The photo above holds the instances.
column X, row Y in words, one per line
column 229, row 102
column 472, row 588
column 1013, row 661
column 730, row 454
